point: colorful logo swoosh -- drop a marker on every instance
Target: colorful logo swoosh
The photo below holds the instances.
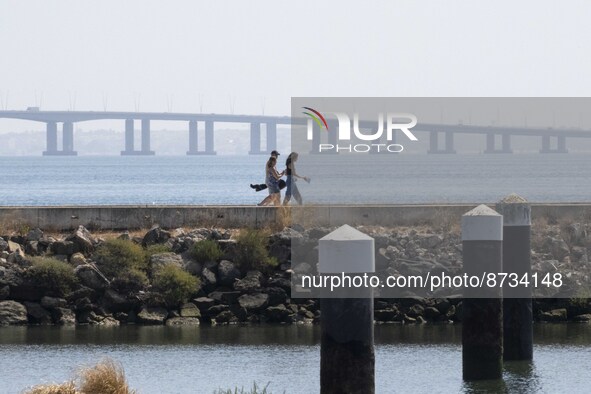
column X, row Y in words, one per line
column 317, row 116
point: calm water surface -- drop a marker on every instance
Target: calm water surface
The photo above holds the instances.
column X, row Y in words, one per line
column 409, row 359
column 211, row 180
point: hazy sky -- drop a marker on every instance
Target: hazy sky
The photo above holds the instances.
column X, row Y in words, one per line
column 187, row 55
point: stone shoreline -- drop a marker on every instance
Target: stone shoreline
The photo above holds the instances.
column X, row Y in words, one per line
column 231, row 293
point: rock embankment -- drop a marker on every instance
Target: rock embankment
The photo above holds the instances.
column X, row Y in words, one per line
column 223, row 276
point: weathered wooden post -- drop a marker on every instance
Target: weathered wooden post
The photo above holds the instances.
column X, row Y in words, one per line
column 482, row 312
column 517, row 301
column 347, row 341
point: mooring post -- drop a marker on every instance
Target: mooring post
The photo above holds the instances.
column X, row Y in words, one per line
column 482, row 312
column 517, row 301
column 347, row 358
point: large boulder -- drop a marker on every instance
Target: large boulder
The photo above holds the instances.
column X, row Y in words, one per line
column 91, row 277
column 35, row 234
column 228, row 273
column 152, row 315
column 155, row 236
column 208, row 280
column 3, row 245
column 83, row 241
column 252, row 281
column 254, row 302
column 14, row 247
column 189, row 310
column 37, row 314
column 116, row 302
column 63, row 248
column 182, row 321
column 63, row 316
column 12, row 313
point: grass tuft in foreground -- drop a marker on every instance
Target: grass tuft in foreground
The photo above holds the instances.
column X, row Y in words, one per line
column 107, row 377
column 254, row 390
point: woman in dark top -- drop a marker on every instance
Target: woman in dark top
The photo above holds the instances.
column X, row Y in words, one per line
column 292, row 175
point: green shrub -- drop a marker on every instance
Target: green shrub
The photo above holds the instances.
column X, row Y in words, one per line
column 251, row 251
column 57, row 276
column 130, row 281
column 175, row 284
column 157, row 248
column 206, row 250
column 116, row 256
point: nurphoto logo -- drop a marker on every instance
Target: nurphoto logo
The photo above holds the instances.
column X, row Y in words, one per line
column 386, row 124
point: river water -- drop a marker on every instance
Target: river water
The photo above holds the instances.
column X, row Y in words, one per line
column 409, row 359
column 214, row 180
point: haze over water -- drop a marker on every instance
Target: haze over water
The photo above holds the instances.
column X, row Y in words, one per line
column 224, row 180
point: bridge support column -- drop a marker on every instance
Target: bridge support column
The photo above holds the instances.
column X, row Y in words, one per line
column 255, row 138
column 505, row 144
column 51, row 139
column 271, row 136
column 68, row 139
column 129, row 136
column 209, row 149
column 193, row 138
column 506, row 139
column 315, row 137
column 146, row 138
column 434, row 143
column 560, row 145
column 490, row 143
column 129, row 139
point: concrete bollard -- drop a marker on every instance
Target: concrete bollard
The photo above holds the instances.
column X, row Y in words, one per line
column 517, row 301
column 482, row 315
column 347, row 359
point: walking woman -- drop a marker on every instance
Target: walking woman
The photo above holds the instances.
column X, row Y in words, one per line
column 292, row 175
column 272, row 177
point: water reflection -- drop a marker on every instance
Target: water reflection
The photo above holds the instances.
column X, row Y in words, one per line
column 421, row 359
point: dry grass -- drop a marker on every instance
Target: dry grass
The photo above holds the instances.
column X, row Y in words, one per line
column 64, row 388
column 106, row 377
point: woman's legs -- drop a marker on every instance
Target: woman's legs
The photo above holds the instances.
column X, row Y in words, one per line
column 290, row 185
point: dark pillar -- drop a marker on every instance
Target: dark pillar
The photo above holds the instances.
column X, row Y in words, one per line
column 517, row 301
column 209, row 149
column 482, row 311
column 255, row 138
column 51, row 139
column 271, row 136
column 347, row 358
column 193, row 138
column 146, row 138
column 129, row 136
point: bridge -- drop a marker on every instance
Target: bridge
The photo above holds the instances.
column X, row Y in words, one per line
column 553, row 140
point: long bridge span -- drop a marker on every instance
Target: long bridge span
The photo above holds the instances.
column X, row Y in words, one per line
column 553, row 140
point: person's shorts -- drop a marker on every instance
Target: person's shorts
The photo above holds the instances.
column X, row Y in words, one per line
column 273, row 188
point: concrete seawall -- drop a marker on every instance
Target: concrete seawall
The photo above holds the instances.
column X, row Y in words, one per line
column 136, row 217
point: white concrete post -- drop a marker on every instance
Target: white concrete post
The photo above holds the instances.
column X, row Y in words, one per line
column 347, row 359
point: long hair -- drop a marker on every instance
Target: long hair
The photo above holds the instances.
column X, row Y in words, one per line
column 293, row 156
column 271, row 162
